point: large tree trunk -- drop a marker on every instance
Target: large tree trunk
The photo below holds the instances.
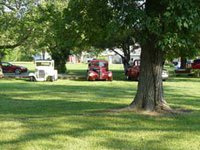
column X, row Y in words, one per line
column 150, row 87
column 60, row 56
column 60, row 65
column 150, row 95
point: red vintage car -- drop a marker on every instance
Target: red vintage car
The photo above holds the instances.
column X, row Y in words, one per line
column 134, row 70
column 98, row 70
column 196, row 64
column 10, row 68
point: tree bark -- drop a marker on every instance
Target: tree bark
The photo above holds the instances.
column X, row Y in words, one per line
column 183, row 63
column 127, row 55
column 60, row 57
column 150, row 94
column 126, row 59
column 60, row 63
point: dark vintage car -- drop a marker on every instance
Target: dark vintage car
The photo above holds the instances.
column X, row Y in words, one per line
column 10, row 68
column 134, row 70
column 98, row 70
column 196, row 64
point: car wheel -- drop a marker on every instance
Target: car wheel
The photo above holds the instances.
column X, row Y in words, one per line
column 128, row 78
column 88, row 79
column 52, row 78
column 17, row 71
column 110, row 79
column 32, row 78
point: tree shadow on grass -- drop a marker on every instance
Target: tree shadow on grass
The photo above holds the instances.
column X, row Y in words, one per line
column 108, row 126
column 69, row 111
column 38, row 99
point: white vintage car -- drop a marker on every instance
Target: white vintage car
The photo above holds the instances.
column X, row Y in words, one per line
column 1, row 72
column 44, row 71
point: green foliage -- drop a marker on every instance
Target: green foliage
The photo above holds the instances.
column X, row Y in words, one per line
column 103, row 25
column 173, row 24
column 16, row 19
column 19, row 54
column 17, row 24
column 55, row 33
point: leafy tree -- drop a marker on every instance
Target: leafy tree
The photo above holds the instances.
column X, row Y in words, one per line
column 56, row 33
column 164, row 29
column 16, row 18
column 37, row 24
column 168, row 27
column 106, row 24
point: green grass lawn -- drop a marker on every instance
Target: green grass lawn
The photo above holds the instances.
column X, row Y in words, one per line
column 69, row 115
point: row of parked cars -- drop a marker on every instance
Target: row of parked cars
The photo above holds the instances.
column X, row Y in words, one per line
column 44, row 70
column 97, row 70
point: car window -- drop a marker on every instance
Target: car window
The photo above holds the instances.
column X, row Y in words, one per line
column 43, row 63
column 197, row 61
column 94, row 64
column 102, row 64
column 5, row 64
column 137, row 62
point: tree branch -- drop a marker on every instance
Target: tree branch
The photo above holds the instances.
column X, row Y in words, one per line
column 142, row 5
column 112, row 49
column 20, row 42
column 8, row 6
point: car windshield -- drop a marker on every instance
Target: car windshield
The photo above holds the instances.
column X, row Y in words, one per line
column 43, row 63
column 5, row 64
column 137, row 63
column 98, row 64
column 102, row 64
column 197, row 61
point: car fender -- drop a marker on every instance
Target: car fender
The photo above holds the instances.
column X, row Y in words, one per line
column 32, row 75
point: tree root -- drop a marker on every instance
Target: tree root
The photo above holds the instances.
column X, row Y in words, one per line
column 162, row 108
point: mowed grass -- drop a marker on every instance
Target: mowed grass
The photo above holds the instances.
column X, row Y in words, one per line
column 70, row 115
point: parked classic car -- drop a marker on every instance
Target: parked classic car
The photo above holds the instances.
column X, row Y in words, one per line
column 44, row 71
column 10, row 68
column 134, row 70
column 98, row 70
column 196, row 64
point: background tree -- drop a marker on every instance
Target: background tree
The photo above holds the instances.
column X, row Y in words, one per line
column 56, row 33
column 40, row 26
column 16, row 19
column 106, row 24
